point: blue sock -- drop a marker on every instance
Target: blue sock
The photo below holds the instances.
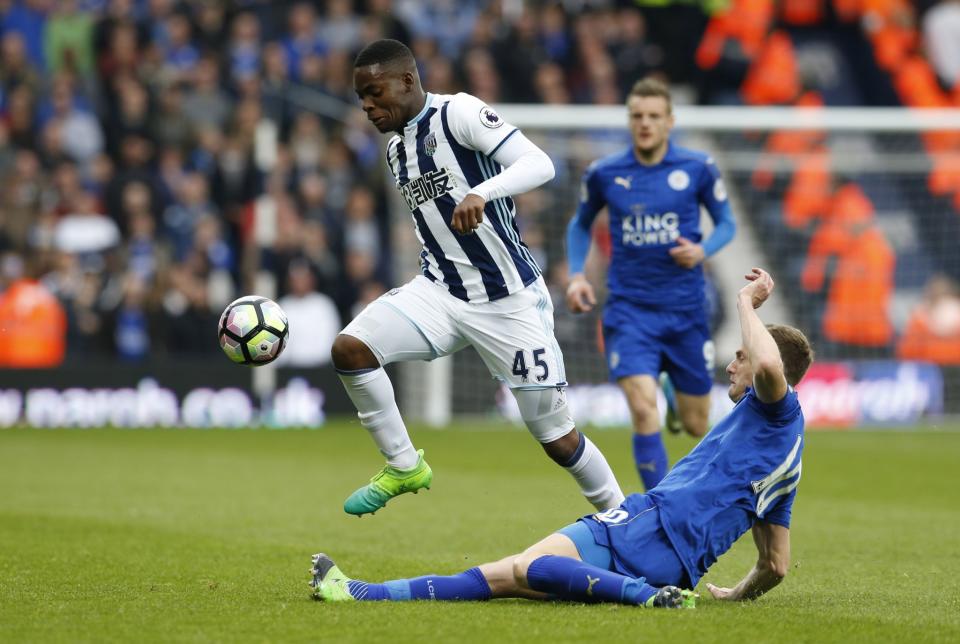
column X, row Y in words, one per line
column 469, row 585
column 650, row 457
column 568, row 578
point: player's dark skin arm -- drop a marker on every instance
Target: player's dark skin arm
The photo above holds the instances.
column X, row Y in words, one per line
column 468, row 214
column 773, row 561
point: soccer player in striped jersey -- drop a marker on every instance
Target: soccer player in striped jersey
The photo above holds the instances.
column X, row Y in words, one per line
column 654, row 548
column 456, row 163
column 655, row 319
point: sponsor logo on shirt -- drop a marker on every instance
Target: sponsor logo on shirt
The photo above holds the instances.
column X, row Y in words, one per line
column 649, row 229
column 623, row 181
column 427, row 187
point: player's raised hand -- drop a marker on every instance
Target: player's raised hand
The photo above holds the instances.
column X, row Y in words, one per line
column 721, row 593
column 759, row 286
column 686, row 253
column 580, row 295
column 468, row 214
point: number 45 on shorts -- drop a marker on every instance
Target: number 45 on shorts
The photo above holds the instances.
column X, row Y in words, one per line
column 520, row 365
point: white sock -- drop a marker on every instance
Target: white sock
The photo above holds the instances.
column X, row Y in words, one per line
column 595, row 478
column 372, row 395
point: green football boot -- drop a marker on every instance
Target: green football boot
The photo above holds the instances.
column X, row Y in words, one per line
column 673, row 597
column 672, row 421
column 388, row 483
column 329, row 583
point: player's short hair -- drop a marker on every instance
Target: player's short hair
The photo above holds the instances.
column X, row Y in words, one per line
column 795, row 351
column 649, row 86
column 384, row 52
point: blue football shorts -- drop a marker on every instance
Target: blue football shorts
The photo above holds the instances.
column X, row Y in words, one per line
column 644, row 341
column 647, row 553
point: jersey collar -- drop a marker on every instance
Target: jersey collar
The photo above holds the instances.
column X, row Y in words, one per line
column 668, row 158
column 671, row 154
column 426, row 106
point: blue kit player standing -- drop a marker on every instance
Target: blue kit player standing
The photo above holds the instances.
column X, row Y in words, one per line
column 655, row 320
column 655, row 547
column 456, row 163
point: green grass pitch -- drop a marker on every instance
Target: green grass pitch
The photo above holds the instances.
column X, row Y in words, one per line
column 201, row 535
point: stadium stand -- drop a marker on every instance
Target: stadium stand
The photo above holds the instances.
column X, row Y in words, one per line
column 131, row 176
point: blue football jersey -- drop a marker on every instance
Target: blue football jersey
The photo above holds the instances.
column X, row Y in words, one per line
column 650, row 207
column 747, row 468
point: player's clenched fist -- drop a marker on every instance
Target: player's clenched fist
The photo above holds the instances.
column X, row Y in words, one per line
column 580, row 295
column 759, row 286
column 468, row 214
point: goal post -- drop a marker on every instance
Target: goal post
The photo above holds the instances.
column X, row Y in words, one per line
column 856, row 212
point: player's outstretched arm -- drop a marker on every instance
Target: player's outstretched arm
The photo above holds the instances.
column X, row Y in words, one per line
column 769, row 382
column 773, row 560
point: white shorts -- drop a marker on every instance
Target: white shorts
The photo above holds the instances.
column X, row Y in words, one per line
column 422, row 321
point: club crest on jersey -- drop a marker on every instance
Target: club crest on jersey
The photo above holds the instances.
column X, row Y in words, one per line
column 430, row 144
column 489, row 118
column 678, row 180
column 427, row 187
column 623, row 181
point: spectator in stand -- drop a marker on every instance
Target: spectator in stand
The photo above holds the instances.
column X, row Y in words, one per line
column 178, row 52
column 313, row 316
column 861, row 285
column 933, row 332
column 16, row 69
column 340, row 27
column 210, row 18
column 206, row 104
column 81, row 132
column 180, row 219
column 388, row 24
column 28, row 18
column 244, row 48
column 941, row 36
column 68, row 39
column 303, row 39
column 132, row 321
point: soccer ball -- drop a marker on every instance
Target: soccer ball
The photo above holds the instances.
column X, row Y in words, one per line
column 253, row 330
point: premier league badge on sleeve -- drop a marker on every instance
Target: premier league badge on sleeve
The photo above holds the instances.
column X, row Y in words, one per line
column 489, row 118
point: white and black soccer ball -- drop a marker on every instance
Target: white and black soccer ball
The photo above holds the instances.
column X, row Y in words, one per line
column 253, row 330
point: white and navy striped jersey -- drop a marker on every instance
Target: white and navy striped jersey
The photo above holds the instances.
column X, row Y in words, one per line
column 441, row 155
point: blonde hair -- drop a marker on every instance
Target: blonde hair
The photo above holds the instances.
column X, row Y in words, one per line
column 649, row 87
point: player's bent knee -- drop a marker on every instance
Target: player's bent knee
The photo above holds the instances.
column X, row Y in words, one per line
column 350, row 354
column 521, row 563
column 697, row 430
column 545, row 413
column 696, row 423
column 563, row 449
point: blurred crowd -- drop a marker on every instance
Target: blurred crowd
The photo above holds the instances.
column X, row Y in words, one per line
column 159, row 158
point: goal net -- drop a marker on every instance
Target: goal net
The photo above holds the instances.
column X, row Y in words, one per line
column 855, row 212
